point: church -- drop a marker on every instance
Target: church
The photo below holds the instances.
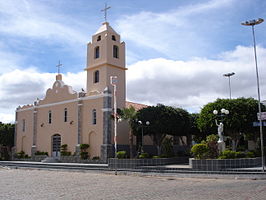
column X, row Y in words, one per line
column 65, row 116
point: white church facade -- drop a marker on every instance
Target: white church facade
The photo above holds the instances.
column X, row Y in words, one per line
column 65, row 116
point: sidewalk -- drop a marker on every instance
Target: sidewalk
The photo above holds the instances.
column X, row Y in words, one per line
column 166, row 170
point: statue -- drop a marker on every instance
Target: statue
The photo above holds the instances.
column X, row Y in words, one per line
column 220, row 131
column 221, row 143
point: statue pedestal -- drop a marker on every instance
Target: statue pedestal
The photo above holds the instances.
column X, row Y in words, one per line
column 221, row 146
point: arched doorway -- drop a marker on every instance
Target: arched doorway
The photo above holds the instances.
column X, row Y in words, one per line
column 56, row 145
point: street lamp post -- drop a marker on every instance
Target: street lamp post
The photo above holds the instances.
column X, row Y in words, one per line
column 142, row 137
column 113, row 82
column 229, row 75
column 252, row 23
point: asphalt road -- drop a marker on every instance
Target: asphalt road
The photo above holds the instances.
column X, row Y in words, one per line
column 55, row 184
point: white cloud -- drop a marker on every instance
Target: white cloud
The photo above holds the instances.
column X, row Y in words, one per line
column 193, row 83
column 24, row 87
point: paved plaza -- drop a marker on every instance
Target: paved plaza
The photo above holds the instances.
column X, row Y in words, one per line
column 55, row 184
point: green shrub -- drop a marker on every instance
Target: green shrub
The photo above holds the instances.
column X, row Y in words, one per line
column 40, row 153
column 21, row 155
column 64, row 147
column 167, row 147
column 144, row 155
column 228, row 154
column 84, row 147
column 96, row 158
column 121, row 154
column 84, row 151
column 250, row 154
column 64, row 151
column 84, row 155
column 240, row 154
column 155, row 157
column 164, row 156
column 200, row 151
column 212, row 138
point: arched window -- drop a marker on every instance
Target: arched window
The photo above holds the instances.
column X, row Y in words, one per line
column 94, row 116
column 97, row 52
column 50, row 117
column 115, row 51
column 96, row 77
column 65, row 115
column 113, row 38
column 99, row 38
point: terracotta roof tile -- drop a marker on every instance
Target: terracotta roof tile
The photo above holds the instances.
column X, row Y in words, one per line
column 137, row 106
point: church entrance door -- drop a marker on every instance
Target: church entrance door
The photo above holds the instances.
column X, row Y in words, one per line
column 56, row 144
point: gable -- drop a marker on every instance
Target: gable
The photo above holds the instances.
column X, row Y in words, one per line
column 59, row 92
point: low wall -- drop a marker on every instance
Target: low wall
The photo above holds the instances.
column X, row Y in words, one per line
column 62, row 159
column 134, row 163
column 222, row 164
column 77, row 159
column 36, row 158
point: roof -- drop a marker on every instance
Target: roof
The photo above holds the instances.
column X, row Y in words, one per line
column 105, row 27
column 137, row 106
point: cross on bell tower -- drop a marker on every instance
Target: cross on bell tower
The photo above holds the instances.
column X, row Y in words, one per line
column 58, row 67
column 105, row 11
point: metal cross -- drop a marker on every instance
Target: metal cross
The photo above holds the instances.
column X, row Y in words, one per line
column 105, row 11
column 58, row 66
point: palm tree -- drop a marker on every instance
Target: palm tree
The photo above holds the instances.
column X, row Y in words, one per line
column 129, row 114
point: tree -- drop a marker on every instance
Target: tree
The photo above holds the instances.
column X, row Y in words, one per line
column 7, row 134
column 197, row 134
column 243, row 111
column 129, row 114
column 6, row 140
column 164, row 120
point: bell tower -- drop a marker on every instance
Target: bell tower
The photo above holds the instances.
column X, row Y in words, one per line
column 105, row 58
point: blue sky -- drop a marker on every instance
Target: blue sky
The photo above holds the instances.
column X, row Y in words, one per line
column 177, row 50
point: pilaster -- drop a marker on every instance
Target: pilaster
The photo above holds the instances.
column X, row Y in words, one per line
column 107, row 147
column 79, row 126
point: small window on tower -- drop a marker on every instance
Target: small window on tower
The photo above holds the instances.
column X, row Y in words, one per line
column 50, row 117
column 96, row 78
column 99, row 38
column 94, row 116
column 65, row 115
column 97, row 52
column 23, row 125
column 115, row 51
column 113, row 38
